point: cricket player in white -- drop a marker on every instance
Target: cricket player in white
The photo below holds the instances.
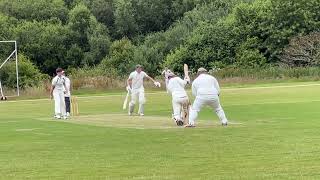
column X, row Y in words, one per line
column 57, row 92
column 206, row 89
column 176, row 86
column 67, row 95
column 166, row 72
column 135, row 86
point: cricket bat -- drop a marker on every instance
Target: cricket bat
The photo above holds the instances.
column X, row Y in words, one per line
column 126, row 101
column 186, row 71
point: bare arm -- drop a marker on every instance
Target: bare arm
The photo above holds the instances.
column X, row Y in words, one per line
column 65, row 87
column 129, row 82
column 51, row 91
column 150, row 78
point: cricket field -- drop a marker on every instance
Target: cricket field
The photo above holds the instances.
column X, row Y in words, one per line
column 274, row 133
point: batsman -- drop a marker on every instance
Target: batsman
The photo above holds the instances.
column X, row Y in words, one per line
column 135, row 86
column 180, row 100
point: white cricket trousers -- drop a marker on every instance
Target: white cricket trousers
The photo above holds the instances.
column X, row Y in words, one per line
column 209, row 100
column 59, row 103
column 137, row 95
column 177, row 106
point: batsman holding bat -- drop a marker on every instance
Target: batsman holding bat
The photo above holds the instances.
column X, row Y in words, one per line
column 180, row 100
column 136, row 88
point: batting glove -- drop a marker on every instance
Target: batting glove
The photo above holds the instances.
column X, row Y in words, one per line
column 128, row 88
column 187, row 79
column 157, row 84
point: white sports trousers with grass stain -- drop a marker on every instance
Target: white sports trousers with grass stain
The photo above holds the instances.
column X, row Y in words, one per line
column 179, row 96
column 206, row 89
column 58, row 95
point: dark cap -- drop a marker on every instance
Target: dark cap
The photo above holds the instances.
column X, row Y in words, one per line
column 59, row 70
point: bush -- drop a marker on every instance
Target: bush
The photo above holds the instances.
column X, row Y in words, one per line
column 121, row 57
column 95, row 77
column 302, row 51
column 29, row 74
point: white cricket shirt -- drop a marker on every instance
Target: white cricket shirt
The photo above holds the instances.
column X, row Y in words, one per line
column 58, row 83
column 176, row 87
column 68, row 85
column 137, row 79
column 205, row 84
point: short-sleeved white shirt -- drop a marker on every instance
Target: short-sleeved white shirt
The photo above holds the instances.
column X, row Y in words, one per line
column 137, row 79
column 58, row 83
column 176, row 87
column 68, row 85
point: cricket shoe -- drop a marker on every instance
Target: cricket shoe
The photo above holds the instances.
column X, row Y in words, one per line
column 189, row 126
column 141, row 114
column 179, row 123
column 65, row 117
column 57, row 117
column 224, row 124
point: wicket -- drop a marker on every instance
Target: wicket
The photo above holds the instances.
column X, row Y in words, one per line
column 74, row 106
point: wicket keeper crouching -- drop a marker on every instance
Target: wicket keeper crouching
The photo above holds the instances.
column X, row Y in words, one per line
column 206, row 89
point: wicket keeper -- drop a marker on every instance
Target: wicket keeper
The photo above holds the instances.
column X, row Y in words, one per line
column 67, row 95
column 206, row 89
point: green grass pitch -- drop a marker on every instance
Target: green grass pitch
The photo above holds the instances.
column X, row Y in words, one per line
column 274, row 134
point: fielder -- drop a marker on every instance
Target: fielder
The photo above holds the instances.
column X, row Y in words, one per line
column 180, row 100
column 206, row 89
column 135, row 86
column 67, row 95
column 57, row 92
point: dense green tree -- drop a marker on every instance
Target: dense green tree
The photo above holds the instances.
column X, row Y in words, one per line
column 99, row 43
column 79, row 22
column 7, row 24
column 89, row 35
column 121, row 56
column 158, row 45
column 29, row 74
column 125, row 20
column 103, row 10
column 34, row 9
column 45, row 43
column 210, row 33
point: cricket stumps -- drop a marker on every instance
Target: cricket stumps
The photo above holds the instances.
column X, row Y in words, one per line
column 74, row 106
